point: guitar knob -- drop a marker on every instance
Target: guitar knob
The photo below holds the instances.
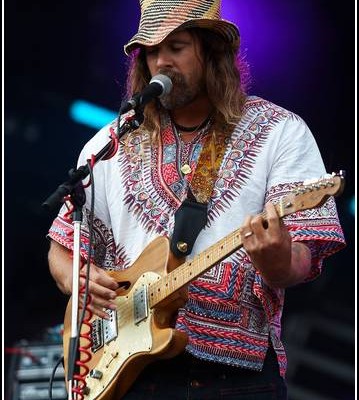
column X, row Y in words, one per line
column 86, row 390
column 96, row 374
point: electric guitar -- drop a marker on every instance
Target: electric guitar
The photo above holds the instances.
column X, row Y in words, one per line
column 141, row 329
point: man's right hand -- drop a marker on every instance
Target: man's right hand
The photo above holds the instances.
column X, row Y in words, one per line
column 102, row 287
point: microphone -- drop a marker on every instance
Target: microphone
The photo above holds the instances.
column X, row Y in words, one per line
column 159, row 85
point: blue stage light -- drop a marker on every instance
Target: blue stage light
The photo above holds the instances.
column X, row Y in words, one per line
column 89, row 114
column 352, row 206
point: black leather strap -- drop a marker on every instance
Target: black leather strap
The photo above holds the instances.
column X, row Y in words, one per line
column 190, row 218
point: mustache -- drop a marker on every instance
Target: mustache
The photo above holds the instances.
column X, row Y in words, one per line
column 176, row 77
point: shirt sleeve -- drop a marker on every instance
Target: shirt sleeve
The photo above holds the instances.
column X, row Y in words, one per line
column 103, row 251
column 297, row 159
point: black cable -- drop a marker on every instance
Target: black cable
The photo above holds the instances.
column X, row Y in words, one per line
column 91, row 231
column 61, row 359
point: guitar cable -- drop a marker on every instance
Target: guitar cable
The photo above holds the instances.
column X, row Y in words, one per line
column 52, row 377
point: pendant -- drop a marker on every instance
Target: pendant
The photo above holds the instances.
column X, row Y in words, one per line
column 186, row 169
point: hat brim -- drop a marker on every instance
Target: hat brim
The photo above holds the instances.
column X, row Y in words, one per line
column 227, row 30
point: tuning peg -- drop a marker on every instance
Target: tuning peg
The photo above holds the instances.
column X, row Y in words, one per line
column 341, row 173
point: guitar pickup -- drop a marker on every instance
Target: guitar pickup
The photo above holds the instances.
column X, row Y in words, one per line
column 140, row 306
column 110, row 326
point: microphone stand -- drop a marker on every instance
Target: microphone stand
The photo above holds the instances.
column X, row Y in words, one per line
column 73, row 188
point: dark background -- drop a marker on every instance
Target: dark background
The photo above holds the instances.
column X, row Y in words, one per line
column 302, row 59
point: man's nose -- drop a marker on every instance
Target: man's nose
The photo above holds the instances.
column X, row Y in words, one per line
column 164, row 60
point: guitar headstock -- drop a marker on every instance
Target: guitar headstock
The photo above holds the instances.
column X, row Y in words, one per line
column 312, row 193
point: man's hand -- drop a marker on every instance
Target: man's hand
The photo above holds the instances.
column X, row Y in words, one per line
column 102, row 287
column 270, row 248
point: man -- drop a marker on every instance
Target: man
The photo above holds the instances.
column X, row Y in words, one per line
column 206, row 143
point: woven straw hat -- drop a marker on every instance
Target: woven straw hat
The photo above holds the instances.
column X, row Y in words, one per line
column 161, row 17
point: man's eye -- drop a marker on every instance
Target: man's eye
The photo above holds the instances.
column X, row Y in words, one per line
column 177, row 48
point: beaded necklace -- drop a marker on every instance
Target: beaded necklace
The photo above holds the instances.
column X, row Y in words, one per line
column 192, row 129
column 201, row 129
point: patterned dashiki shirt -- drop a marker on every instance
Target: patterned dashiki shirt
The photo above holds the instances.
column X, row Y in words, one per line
column 231, row 314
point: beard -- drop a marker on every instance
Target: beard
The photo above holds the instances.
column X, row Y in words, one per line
column 184, row 90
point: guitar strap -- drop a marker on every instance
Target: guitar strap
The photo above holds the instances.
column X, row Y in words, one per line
column 191, row 216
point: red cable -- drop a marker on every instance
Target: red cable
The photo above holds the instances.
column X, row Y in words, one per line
column 84, row 354
column 114, row 146
column 69, row 209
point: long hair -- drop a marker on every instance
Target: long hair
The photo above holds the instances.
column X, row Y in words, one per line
column 226, row 76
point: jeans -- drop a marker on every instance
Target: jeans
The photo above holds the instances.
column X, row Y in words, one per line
column 187, row 378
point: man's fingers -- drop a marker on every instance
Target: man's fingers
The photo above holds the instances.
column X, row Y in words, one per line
column 102, row 278
column 97, row 306
column 97, row 290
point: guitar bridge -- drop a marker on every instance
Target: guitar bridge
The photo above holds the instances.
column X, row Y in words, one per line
column 96, row 335
column 103, row 330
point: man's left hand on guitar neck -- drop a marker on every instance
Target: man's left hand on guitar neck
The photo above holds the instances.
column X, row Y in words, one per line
column 280, row 261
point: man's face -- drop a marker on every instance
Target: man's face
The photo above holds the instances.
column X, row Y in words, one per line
column 179, row 56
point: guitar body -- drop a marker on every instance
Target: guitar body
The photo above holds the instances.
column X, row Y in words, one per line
column 142, row 334
column 141, row 329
